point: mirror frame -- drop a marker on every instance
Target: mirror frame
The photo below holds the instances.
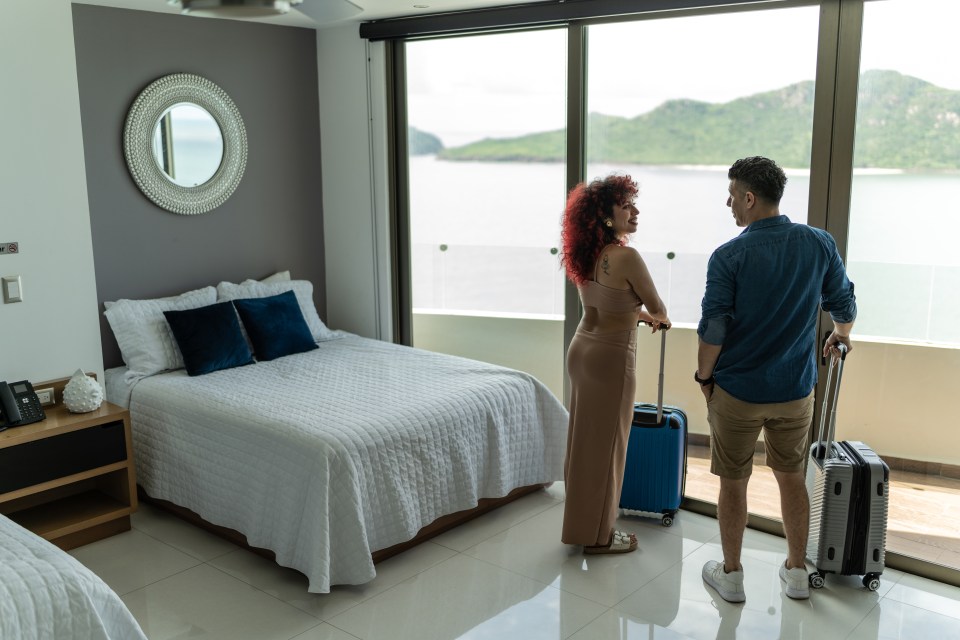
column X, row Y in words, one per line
column 142, row 119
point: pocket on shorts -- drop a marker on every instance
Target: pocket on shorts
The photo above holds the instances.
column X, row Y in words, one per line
column 713, row 396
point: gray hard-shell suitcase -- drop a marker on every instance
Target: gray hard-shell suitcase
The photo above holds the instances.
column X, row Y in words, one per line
column 848, row 486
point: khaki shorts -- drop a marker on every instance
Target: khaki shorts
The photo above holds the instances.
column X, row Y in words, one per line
column 735, row 428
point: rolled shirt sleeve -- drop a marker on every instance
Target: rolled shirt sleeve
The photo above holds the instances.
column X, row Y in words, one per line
column 718, row 299
column 837, row 297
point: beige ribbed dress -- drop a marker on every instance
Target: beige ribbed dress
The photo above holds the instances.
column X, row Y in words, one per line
column 602, row 369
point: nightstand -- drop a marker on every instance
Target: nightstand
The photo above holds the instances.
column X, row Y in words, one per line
column 70, row 478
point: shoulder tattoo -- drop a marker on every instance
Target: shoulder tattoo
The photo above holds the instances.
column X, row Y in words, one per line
column 605, row 265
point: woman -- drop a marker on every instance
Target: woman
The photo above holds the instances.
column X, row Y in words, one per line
column 617, row 294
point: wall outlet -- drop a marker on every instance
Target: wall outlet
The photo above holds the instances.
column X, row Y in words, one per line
column 46, row 395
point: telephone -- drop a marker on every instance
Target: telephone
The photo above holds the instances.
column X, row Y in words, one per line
column 19, row 405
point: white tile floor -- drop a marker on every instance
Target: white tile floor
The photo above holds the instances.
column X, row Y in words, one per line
column 504, row 575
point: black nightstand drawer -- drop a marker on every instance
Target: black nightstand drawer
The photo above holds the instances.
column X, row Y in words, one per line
column 58, row 456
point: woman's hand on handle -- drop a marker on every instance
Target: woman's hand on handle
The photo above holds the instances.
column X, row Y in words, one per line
column 658, row 321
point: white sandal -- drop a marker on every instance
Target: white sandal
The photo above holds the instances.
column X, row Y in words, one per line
column 622, row 542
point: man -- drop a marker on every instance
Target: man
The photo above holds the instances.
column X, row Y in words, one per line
column 757, row 361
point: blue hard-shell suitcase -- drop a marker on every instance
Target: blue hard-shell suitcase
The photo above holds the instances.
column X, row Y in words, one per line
column 656, row 467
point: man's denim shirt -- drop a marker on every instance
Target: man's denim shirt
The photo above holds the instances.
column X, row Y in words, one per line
column 763, row 288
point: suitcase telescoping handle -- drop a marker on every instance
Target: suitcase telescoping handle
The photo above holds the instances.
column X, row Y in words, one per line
column 663, row 349
column 830, row 426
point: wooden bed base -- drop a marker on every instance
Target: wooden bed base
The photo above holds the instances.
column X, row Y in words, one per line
column 435, row 528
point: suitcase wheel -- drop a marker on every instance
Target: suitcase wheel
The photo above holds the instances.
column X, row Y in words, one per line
column 816, row 580
column 872, row 581
column 667, row 520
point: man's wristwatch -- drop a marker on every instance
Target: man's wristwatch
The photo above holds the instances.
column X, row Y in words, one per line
column 703, row 383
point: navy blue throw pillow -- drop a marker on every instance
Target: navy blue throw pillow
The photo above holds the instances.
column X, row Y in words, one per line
column 275, row 325
column 209, row 338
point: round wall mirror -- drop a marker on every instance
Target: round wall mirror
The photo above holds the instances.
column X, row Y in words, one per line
column 185, row 144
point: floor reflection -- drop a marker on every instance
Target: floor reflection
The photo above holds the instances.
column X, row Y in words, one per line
column 506, row 575
column 924, row 514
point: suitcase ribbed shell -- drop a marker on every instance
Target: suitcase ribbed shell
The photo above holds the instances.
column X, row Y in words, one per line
column 848, row 518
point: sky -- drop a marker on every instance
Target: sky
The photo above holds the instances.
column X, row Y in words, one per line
column 467, row 88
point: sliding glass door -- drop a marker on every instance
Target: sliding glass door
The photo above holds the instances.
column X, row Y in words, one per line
column 486, row 143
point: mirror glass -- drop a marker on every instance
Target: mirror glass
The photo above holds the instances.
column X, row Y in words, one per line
column 187, row 144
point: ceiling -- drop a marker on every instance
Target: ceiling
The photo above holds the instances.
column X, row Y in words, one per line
column 372, row 9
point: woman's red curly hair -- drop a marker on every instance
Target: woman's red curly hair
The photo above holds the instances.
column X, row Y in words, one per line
column 584, row 233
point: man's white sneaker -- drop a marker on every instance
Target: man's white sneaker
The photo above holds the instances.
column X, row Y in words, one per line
column 728, row 585
column 797, row 581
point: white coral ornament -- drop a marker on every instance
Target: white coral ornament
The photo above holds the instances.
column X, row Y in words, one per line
column 82, row 393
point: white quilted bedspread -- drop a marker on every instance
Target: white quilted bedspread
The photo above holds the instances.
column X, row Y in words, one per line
column 46, row 594
column 326, row 456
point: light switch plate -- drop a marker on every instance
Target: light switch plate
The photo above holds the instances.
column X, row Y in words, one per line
column 12, row 289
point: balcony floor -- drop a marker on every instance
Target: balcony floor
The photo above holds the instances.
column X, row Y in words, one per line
column 923, row 520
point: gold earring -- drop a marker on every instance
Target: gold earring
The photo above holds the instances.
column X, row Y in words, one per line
column 609, row 223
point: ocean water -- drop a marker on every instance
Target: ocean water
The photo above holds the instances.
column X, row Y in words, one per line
column 486, row 238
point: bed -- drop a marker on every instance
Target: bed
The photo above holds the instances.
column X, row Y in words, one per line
column 46, row 594
column 328, row 456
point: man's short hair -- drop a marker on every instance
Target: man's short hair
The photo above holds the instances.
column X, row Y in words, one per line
column 760, row 175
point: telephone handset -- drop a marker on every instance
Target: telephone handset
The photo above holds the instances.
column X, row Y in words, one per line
column 19, row 405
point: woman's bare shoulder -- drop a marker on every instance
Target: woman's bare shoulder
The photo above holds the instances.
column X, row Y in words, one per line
column 624, row 253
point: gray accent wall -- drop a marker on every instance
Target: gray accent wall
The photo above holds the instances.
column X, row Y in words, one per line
column 274, row 219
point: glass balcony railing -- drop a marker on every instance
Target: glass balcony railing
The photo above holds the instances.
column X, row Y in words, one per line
column 909, row 302
column 527, row 281
column 488, row 279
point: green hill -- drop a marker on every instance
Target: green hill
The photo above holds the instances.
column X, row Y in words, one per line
column 421, row 143
column 904, row 123
column 907, row 123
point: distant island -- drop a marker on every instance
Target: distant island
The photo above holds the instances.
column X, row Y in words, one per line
column 421, row 143
column 902, row 121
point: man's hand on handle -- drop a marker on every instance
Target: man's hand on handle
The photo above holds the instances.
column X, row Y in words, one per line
column 839, row 335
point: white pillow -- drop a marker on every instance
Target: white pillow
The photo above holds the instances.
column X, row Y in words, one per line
column 303, row 289
column 279, row 276
column 143, row 335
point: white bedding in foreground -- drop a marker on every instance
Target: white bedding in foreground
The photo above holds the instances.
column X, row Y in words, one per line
column 46, row 594
column 326, row 456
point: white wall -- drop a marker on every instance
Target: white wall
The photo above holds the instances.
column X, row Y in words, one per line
column 892, row 398
column 352, row 121
column 534, row 346
column 55, row 329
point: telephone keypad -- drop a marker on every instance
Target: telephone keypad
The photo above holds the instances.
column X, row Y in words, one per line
column 30, row 411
